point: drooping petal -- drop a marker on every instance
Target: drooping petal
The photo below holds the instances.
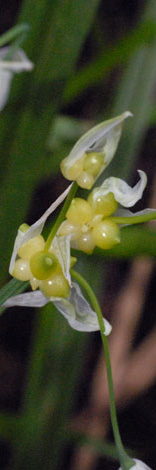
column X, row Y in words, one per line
column 18, row 63
column 78, row 312
column 102, row 139
column 75, row 309
column 123, row 193
column 138, row 465
column 35, row 229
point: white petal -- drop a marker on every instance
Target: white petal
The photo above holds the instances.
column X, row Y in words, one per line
column 138, row 465
column 36, row 228
column 102, row 138
column 18, row 63
column 123, row 193
column 75, row 309
column 28, row 299
column 78, row 312
column 61, row 246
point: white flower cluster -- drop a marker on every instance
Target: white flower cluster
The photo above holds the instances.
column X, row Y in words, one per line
column 89, row 223
column 74, row 307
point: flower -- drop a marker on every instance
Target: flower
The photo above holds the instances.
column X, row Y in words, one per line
column 93, row 152
column 138, row 465
column 49, row 273
column 19, row 62
column 26, row 233
column 91, row 223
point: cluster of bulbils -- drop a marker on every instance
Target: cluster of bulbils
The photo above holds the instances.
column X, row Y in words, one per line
column 85, row 170
column 89, row 223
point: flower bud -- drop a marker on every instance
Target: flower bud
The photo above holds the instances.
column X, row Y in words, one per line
column 106, row 234
column 79, row 212
column 72, row 173
column 85, row 180
column 22, row 270
column 69, row 229
column 93, row 163
column 86, row 243
column 32, row 246
column 56, row 286
column 103, row 204
column 43, row 264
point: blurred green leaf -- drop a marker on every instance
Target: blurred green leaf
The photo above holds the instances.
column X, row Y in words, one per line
column 135, row 92
column 64, row 130
column 54, row 365
column 70, row 24
column 90, row 75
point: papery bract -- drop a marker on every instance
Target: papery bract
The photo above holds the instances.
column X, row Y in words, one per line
column 18, row 63
column 123, row 193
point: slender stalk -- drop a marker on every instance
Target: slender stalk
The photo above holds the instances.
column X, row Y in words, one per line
column 61, row 216
column 126, row 462
column 136, row 219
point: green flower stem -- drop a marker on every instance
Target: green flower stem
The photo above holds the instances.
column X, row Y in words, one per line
column 136, row 219
column 13, row 33
column 125, row 460
column 61, row 216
